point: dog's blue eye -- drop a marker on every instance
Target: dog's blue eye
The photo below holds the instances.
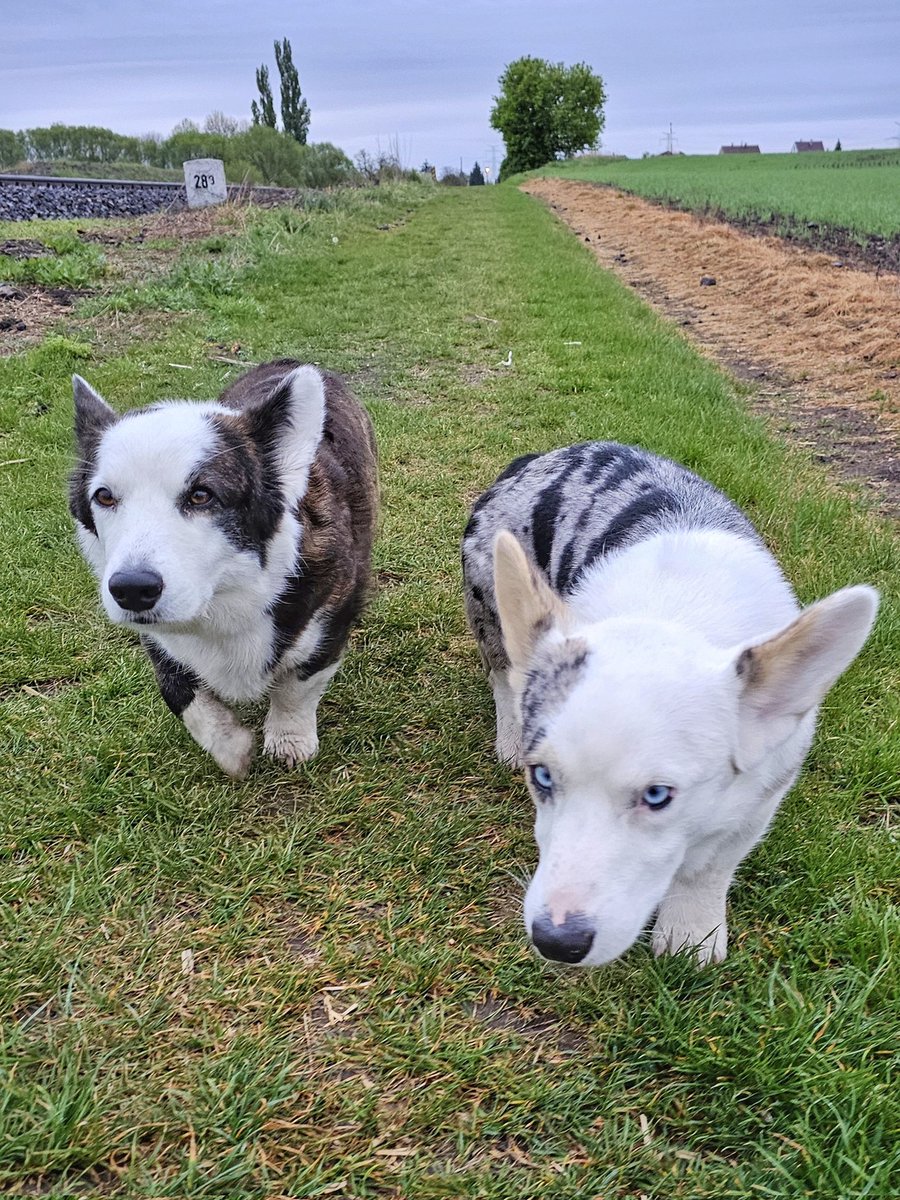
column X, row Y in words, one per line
column 541, row 778
column 657, row 795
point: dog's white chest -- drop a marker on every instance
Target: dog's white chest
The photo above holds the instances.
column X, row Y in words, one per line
column 234, row 659
column 232, row 662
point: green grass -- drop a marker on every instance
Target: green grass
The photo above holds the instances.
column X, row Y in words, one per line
column 856, row 190
column 71, row 263
column 71, row 168
column 360, row 1015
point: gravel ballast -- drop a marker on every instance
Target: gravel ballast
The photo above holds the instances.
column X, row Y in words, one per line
column 29, row 201
column 26, row 199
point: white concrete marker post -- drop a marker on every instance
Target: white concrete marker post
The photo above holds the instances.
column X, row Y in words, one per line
column 204, row 182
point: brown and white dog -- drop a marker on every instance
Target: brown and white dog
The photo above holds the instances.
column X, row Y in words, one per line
column 235, row 536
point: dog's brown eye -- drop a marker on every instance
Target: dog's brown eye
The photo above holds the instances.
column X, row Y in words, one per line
column 105, row 498
column 200, row 497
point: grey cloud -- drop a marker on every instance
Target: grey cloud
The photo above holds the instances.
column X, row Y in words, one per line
column 426, row 73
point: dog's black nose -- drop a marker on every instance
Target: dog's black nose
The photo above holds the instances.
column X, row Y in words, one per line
column 567, row 943
column 135, row 590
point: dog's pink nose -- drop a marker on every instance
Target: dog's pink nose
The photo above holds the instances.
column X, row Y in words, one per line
column 567, row 943
column 136, row 591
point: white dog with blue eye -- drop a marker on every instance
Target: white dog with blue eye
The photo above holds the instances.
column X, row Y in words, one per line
column 653, row 672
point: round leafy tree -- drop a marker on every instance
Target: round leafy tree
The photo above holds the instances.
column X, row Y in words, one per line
column 545, row 111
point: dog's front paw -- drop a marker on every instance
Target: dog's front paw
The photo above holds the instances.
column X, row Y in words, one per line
column 704, row 944
column 220, row 733
column 509, row 742
column 509, row 752
column 290, row 744
column 235, row 755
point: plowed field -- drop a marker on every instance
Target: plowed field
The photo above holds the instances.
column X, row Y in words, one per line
column 820, row 338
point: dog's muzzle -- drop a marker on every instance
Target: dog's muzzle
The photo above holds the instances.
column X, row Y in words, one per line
column 566, row 943
column 136, row 591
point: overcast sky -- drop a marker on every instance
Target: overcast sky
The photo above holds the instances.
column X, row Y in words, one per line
column 419, row 75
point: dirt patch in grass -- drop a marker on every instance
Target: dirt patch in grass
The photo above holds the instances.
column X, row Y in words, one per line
column 136, row 250
column 25, row 248
column 181, row 227
column 148, row 247
column 822, row 341
column 547, row 1031
column 27, row 311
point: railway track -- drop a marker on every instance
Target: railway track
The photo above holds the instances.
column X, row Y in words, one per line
column 27, row 197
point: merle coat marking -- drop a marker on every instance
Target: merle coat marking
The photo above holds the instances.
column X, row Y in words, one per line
column 569, row 508
column 653, row 672
column 236, row 537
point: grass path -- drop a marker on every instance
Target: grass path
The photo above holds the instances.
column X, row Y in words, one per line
column 316, row 983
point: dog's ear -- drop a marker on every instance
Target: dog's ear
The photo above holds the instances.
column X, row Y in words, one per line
column 92, row 414
column 781, row 679
column 528, row 607
column 288, row 424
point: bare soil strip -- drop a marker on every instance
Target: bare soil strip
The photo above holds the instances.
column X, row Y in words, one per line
column 822, row 340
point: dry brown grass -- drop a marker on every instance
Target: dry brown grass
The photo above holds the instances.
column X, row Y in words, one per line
column 833, row 330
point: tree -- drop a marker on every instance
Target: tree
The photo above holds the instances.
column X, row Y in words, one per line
column 546, row 110
column 276, row 158
column 476, row 177
column 837, row 144
column 294, row 109
column 186, row 143
column 264, row 112
column 384, row 169
column 12, row 148
column 218, row 122
column 85, row 143
column 324, row 165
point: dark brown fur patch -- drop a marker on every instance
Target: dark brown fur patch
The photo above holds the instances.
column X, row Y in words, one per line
column 338, row 513
column 247, row 507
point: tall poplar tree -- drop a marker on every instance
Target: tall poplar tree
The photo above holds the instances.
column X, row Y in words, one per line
column 264, row 112
column 294, row 109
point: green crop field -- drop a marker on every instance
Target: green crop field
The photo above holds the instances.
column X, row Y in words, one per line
column 316, row 982
column 855, row 190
